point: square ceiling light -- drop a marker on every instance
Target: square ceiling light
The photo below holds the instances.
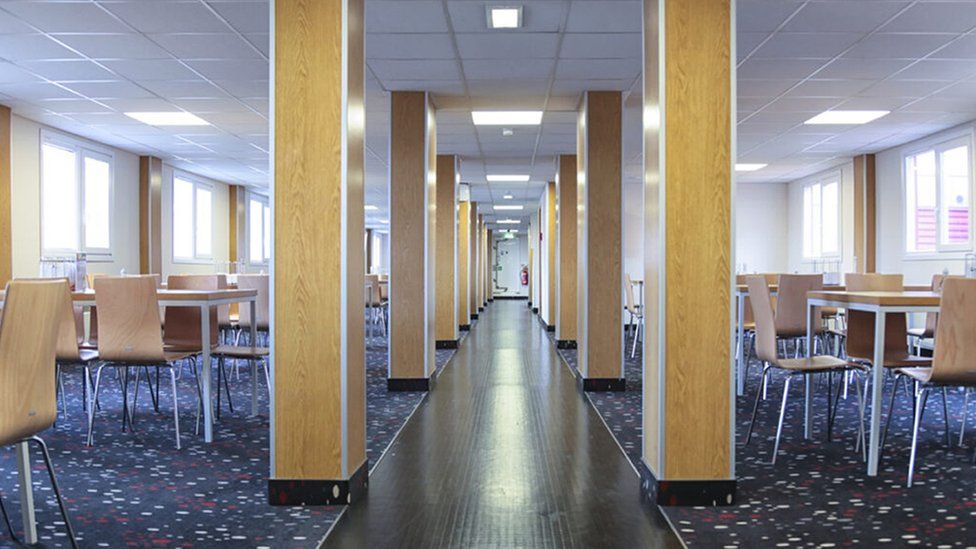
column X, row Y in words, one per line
column 508, row 207
column 749, row 167
column 501, row 178
column 504, row 17
column 508, row 222
column 506, row 118
column 174, row 118
column 846, row 117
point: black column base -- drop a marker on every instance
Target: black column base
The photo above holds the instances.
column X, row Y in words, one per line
column 464, row 327
column 685, row 493
column 603, row 384
column 551, row 328
column 535, row 310
column 474, row 316
column 446, row 344
column 565, row 344
column 480, row 309
column 405, row 384
column 306, row 492
column 530, row 304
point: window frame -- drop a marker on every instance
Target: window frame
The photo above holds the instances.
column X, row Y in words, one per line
column 939, row 145
column 835, row 176
column 256, row 197
column 198, row 184
column 82, row 150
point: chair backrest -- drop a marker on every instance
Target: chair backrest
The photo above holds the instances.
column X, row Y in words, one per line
column 93, row 311
column 384, row 290
column 932, row 319
column 762, row 312
column 955, row 339
column 860, row 324
column 261, row 283
column 791, row 303
column 629, row 293
column 71, row 329
column 182, row 326
column 129, row 322
column 223, row 312
column 373, row 298
column 28, row 342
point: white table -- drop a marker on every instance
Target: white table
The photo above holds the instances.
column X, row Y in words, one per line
column 879, row 303
column 204, row 299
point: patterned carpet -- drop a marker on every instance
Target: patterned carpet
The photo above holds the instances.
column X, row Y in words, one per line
column 818, row 494
column 135, row 489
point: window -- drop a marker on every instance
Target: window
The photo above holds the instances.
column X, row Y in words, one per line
column 937, row 198
column 821, row 219
column 192, row 219
column 259, row 229
column 76, row 198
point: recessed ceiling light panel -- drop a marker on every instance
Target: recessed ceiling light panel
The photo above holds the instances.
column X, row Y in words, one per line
column 175, row 118
column 506, row 118
column 508, row 222
column 504, row 17
column 846, row 117
column 749, row 167
column 508, row 207
column 370, row 208
column 507, row 178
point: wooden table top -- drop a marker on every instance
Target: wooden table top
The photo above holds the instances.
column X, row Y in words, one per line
column 175, row 295
column 906, row 298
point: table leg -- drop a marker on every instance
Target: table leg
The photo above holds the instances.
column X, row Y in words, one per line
column 740, row 364
column 254, row 363
column 807, row 385
column 877, row 385
column 26, row 493
column 205, row 373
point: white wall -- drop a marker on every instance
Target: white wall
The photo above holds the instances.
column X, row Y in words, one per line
column 221, row 229
column 511, row 265
column 795, row 220
column 380, row 262
column 532, row 241
column 891, row 214
column 543, row 251
column 761, row 227
column 25, row 203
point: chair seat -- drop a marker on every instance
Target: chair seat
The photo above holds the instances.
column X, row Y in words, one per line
column 918, row 374
column 174, row 356
column 900, row 360
column 820, row 363
column 234, row 351
column 84, row 357
column 840, row 332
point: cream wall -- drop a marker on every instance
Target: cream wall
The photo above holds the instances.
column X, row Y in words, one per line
column 221, row 228
column 26, row 208
column 25, row 202
column 761, row 227
column 542, row 247
column 891, row 214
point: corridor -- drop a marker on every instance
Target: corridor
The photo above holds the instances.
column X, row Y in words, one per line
column 505, row 452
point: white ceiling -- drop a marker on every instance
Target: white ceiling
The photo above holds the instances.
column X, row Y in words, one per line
column 78, row 64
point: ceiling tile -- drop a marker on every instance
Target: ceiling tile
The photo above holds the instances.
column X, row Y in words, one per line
column 65, row 16
column 605, row 16
column 935, row 17
column 157, row 17
column 844, row 15
column 602, row 46
column 508, row 45
column 398, row 16
column 206, row 46
column 73, row 69
column 22, row 47
column 409, row 46
column 245, row 17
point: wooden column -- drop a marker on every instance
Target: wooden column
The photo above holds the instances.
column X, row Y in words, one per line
column 413, row 181
column 865, row 235
column 319, row 416
column 236, row 223
column 464, row 264
column 6, row 222
column 600, row 244
column 150, row 215
column 549, row 239
column 490, row 272
column 688, row 456
column 475, row 280
column 566, row 252
column 481, row 262
column 446, row 280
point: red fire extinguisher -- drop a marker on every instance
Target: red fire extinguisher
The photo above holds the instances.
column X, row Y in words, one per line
column 525, row 275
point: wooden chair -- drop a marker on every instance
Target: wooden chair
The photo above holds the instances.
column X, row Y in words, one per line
column 130, row 337
column 955, row 347
column 182, row 326
column 791, row 307
column 253, row 353
column 766, row 337
column 32, row 313
column 860, row 325
column 70, row 353
column 374, row 304
column 931, row 319
column 261, row 283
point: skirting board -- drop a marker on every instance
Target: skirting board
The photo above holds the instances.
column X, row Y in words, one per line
column 464, row 327
column 403, row 385
column 446, row 344
column 686, row 493
column 599, row 385
column 284, row 492
column 565, row 344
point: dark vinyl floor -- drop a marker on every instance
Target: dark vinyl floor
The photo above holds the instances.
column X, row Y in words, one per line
column 505, row 452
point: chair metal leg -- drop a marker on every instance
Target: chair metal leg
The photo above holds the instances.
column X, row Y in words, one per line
column 965, row 412
column 60, row 389
column 782, row 414
column 57, row 490
column 176, row 407
column 230, row 401
column 891, row 412
column 755, row 407
column 92, row 407
column 6, row 520
column 945, row 416
column 919, row 410
column 861, row 431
